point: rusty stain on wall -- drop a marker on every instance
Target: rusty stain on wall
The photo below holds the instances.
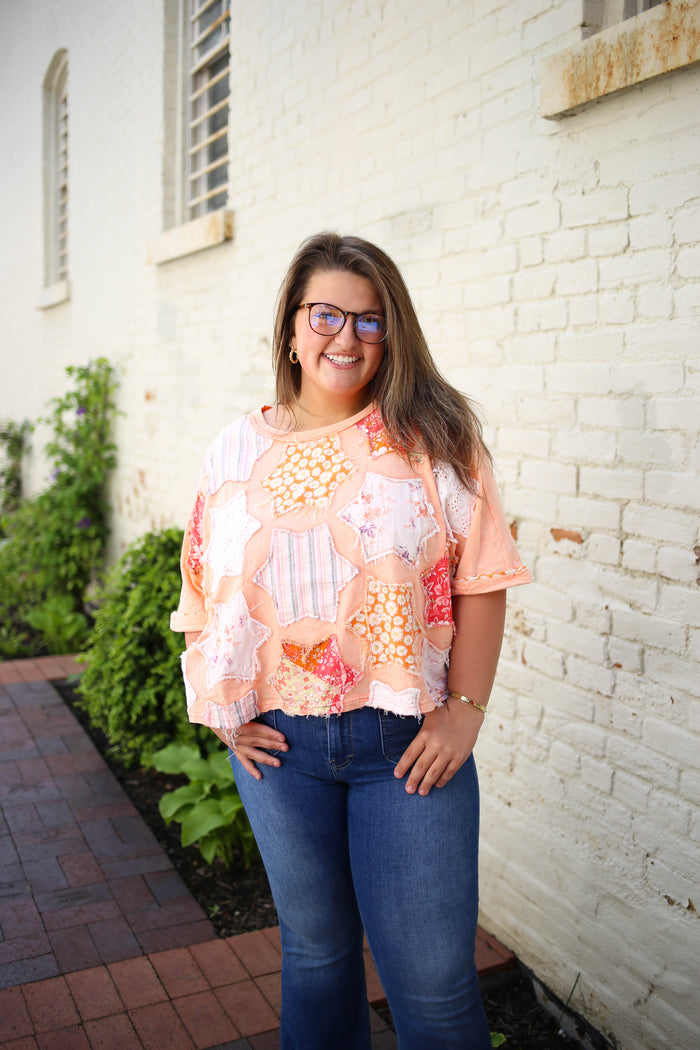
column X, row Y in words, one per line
column 566, row 534
column 657, row 42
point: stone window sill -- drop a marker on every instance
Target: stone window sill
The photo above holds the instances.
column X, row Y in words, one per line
column 195, row 236
column 659, row 41
column 53, row 294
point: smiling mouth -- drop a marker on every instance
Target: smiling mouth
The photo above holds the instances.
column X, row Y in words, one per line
column 342, row 359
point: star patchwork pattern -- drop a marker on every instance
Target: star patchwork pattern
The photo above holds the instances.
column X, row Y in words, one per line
column 308, row 475
column 304, row 573
column 231, row 646
column 387, row 623
column 313, row 679
column 391, row 516
column 377, row 435
column 438, row 597
column 231, row 528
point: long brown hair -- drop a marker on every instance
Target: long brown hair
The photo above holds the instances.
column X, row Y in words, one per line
column 421, row 411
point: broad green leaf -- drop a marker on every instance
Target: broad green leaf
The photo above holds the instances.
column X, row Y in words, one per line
column 172, row 759
column 201, row 819
column 230, row 805
column 173, row 801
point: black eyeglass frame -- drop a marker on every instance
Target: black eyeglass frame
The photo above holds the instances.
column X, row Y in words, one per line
column 346, row 314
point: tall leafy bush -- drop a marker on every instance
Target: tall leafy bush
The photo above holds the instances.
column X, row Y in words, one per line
column 132, row 688
column 55, row 542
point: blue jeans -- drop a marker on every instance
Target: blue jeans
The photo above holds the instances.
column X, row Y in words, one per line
column 345, row 847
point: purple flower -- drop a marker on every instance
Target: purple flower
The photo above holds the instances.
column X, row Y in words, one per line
column 81, row 410
column 84, row 523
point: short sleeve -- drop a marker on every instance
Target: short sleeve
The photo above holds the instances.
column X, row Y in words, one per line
column 190, row 614
column 484, row 555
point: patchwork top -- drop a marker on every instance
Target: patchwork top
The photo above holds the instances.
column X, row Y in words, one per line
column 319, row 567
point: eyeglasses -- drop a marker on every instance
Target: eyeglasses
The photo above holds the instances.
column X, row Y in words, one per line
column 329, row 320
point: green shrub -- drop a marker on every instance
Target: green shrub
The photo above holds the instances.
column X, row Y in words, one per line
column 55, row 542
column 132, row 688
column 209, row 808
column 14, row 439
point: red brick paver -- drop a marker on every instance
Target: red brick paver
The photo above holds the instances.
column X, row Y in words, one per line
column 101, row 945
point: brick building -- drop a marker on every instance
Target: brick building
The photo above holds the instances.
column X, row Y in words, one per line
column 532, row 165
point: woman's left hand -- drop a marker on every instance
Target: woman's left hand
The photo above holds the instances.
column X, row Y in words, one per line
column 442, row 745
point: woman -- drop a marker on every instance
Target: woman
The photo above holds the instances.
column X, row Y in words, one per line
column 346, row 560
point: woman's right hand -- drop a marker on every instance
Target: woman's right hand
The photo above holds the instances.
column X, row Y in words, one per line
column 250, row 738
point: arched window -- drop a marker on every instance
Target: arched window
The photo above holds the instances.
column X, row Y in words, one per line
column 56, row 175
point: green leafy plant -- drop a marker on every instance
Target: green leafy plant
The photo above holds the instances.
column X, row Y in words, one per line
column 132, row 687
column 497, row 1039
column 55, row 542
column 209, row 808
column 63, row 629
column 14, row 439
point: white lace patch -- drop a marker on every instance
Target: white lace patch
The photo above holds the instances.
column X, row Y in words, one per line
column 457, row 502
column 385, row 698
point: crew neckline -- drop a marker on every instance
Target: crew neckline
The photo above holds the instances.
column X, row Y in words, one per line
column 260, row 423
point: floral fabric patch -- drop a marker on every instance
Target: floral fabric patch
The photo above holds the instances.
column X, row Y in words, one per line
column 377, row 435
column 194, row 553
column 391, row 517
column 231, row 645
column 320, row 663
column 308, row 475
column 304, row 574
column 231, row 528
column 387, row 622
column 438, row 599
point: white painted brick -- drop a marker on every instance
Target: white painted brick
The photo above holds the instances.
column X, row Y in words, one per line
column 651, row 630
column 564, row 759
column 634, row 268
column 597, row 206
column 531, row 503
column 655, row 523
column 686, row 300
column 533, row 219
column 578, row 379
column 598, row 775
column 575, row 278
column 656, row 304
column 676, row 489
column 603, row 344
column 610, row 483
column 651, row 231
column 534, row 283
column 659, row 450
column 666, row 378
column 519, row 442
column 585, row 445
column 678, row 564
column 552, row 477
column 641, row 762
column 583, row 310
column 588, row 513
column 530, row 251
column 546, row 600
column 639, row 556
column 603, row 549
column 629, row 590
column 680, row 603
column 565, row 246
column 542, row 316
column 609, row 240
column 617, row 307
column 688, row 262
column 590, row 677
column 674, row 414
column 569, row 637
column 544, row 659
column 552, row 411
column 632, row 791
column 625, row 655
column 673, row 672
column 611, row 412
column 653, row 196
column 534, row 348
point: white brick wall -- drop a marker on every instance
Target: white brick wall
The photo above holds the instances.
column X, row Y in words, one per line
column 557, row 270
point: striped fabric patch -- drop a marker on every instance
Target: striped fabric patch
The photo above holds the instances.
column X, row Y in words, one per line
column 304, row 574
column 234, row 453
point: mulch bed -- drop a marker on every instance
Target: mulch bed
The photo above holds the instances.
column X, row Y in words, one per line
column 238, row 899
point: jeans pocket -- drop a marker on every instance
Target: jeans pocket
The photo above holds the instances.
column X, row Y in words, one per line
column 268, row 718
column 397, row 733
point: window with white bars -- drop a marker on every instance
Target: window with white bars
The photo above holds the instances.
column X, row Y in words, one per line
column 602, row 14
column 56, row 192
column 61, row 181
column 208, row 58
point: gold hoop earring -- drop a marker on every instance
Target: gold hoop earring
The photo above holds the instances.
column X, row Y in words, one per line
column 293, row 356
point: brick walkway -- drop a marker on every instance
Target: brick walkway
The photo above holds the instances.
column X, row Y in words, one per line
column 101, row 944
